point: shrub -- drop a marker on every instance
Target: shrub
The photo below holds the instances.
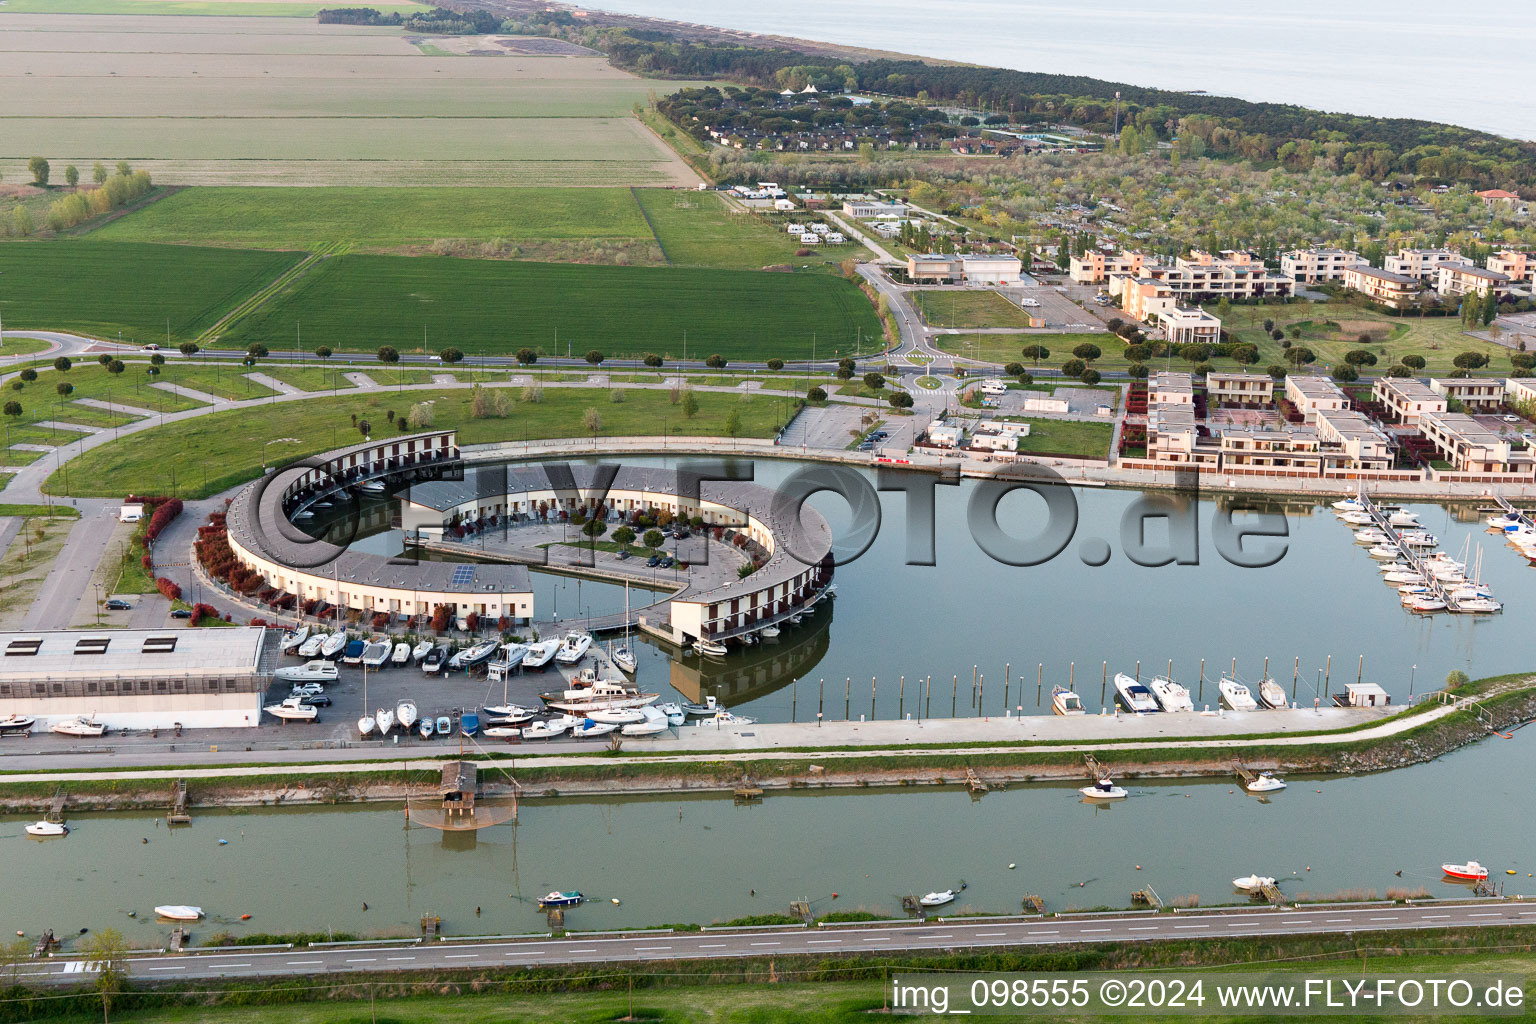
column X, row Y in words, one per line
column 775, row 364
column 1345, row 373
column 652, row 360
column 816, row 394
column 715, row 362
column 1091, row 377
column 900, row 400
column 1413, row 362
column 595, row 357
column 1073, row 367
column 1138, row 371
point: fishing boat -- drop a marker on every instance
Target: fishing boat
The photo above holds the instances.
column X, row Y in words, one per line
column 937, row 899
column 1471, row 871
column 1133, row 696
column 316, row 671
column 548, row 729
column 17, row 723
column 179, row 912
column 540, row 653
column 424, row 728
column 1234, row 696
column 727, row 718
column 591, row 693
column 366, row 725
column 713, row 648
column 1266, row 782
column 405, row 714
column 473, row 656
column 508, row 714
column 1272, row 694
column 47, row 829
column 385, row 718
column 375, row 654
column 709, row 707
column 674, row 712
column 402, row 653
column 618, row 716
column 469, row 723
column 294, row 638
column 1065, row 702
column 587, row 727
column 353, row 655
column 769, row 632
column 333, row 645
column 574, row 647
column 421, row 650
column 1104, row 789
column 293, row 709
column 433, row 662
column 653, row 722
column 444, row 725
column 1251, row 884
column 1171, row 696
column 80, row 727
column 311, row 648
column 560, row 899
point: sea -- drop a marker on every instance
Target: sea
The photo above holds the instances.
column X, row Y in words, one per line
column 1467, row 65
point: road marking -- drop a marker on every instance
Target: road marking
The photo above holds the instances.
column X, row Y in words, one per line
column 868, row 940
column 462, row 956
column 1041, row 932
column 941, row 935
column 823, row 942
column 775, row 943
column 1146, row 928
column 713, row 945
column 179, row 968
column 363, row 960
column 989, row 935
column 399, row 958
column 1338, row 920
column 582, row 951
column 1090, row 931
column 1486, row 915
column 305, row 963
column 237, row 965
column 1390, row 917
column 1241, row 924
column 1191, row 926
column 649, row 949
column 1433, row 917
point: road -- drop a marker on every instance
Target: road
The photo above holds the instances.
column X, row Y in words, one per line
column 884, row 940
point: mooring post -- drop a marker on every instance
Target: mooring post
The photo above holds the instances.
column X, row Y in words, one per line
column 794, row 697
column 1201, row 694
column 1138, row 670
column 1039, row 682
column 901, row 699
column 954, row 690
column 974, row 677
column 871, row 698
column 1007, row 682
column 928, row 696
column 1233, row 674
column 981, row 682
column 847, row 697
column 821, row 693
column 1360, row 672
column 1265, row 674
column 1295, row 677
column 1328, row 673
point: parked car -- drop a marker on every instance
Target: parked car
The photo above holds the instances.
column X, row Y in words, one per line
column 667, row 563
column 182, row 613
column 1511, row 418
column 319, row 700
column 653, row 561
column 623, row 554
column 117, row 604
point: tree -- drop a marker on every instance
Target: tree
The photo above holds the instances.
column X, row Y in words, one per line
column 13, row 409
column 99, row 174
column 775, row 364
column 107, row 952
column 62, row 364
column 116, row 366
column 594, row 528
column 900, row 400
column 1470, row 360
column 1036, row 352
column 1399, row 371
column 124, row 168
column 1091, row 377
column 323, row 351
column 156, row 359
column 71, row 176
column 816, row 394
column 1073, row 368
column 653, row 538
column 1138, row 371
column 1295, row 333
column 595, row 357
column 652, row 360
column 715, row 362
column 1276, row 371
column 1300, row 355
column 843, row 373
column 1456, row 679
column 450, row 355
column 389, row 354
column 690, row 403
column 1269, row 324
column 64, row 388
column 591, row 419
column 1345, row 373
column 29, row 375
column 1087, row 351
column 1026, row 378
column 1245, row 355
column 364, row 427
column 1013, row 369
column 624, row 536
column 38, row 168
column 733, row 422
column 874, row 381
column 188, row 349
column 1360, row 357
column 526, row 356
column 1277, row 334
column 1413, row 362
column 256, row 350
column 105, row 359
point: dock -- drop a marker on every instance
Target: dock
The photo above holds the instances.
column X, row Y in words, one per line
column 1406, row 553
column 177, row 815
column 56, row 806
column 1244, row 775
column 1148, row 897
column 973, row 782
column 1271, row 892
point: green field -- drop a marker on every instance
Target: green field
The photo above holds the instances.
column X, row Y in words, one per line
column 955, row 307
column 1068, row 437
column 207, row 454
column 140, row 291
column 697, row 229
column 496, row 306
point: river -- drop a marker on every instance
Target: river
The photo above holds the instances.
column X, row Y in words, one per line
column 1389, row 58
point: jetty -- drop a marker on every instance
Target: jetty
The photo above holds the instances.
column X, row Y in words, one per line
column 1407, row 553
column 177, row 815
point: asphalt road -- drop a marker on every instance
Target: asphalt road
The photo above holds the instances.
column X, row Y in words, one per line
column 633, row 947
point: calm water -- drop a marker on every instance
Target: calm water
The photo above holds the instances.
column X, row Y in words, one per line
column 869, row 846
column 1395, row 58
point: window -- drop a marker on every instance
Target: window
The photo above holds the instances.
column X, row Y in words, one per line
column 93, row 645
column 159, row 645
column 23, row 648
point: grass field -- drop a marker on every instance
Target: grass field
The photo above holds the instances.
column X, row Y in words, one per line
column 1005, row 348
column 142, row 291
column 696, row 229
column 21, row 346
column 954, row 307
column 1068, row 437
column 207, row 454
column 496, row 306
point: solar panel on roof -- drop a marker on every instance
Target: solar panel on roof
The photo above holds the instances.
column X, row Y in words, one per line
column 463, row 575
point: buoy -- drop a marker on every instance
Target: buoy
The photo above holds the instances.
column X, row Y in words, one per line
column 223, row 842
column 245, row 917
column 1010, row 867
column 145, row 840
column 834, row 895
column 1138, row 867
column 133, row 913
column 1509, row 871
column 614, row 901
column 20, row 934
column 1309, row 867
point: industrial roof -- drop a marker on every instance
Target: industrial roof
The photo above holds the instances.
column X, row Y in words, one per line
column 62, row 654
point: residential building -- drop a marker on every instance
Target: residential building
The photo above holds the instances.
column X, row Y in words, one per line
column 1521, row 390
column 1096, row 267
column 1171, row 388
column 1173, row 436
column 1423, row 264
column 1234, row 388
column 867, row 209
column 1201, row 276
column 1356, row 442
column 1498, row 197
column 1311, row 395
column 1515, row 265
column 1471, row 447
column 1309, row 266
column 1387, row 287
column 1453, row 279
column 1187, row 325
column 1474, row 393
column 1297, row 449
column 1406, row 399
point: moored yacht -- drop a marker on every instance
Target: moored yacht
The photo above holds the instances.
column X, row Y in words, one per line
column 539, row 654
column 292, row 640
column 1234, row 696
column 1065, row 702
column 574, row 647
column 1133, row 696
column 1272, row 694
column 592, row 694
column 1171, row 696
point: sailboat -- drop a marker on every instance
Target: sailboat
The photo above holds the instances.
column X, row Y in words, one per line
column 294, row 639
column 405, row 714
column 624, row 657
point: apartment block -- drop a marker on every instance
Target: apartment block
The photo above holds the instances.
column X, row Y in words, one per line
column 1389, row 288
column 1173, row 436
column 1454, row 279
column 1356, row 442
column 1423, row 264
column 1520, row 389
column 1098, row 267
column 1519, row 267
column 1471, row 447
column 1189, row 325
column 1476, row 393
column 1298, row 450
column 1407, row 399
column 1232, row 388
column 1310, row 266
column 1171, row 388
column 1311, row 395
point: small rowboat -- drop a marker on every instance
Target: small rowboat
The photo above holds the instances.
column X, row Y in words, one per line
column 179, row 912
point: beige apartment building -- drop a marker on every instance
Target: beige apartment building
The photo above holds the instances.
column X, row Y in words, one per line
column 1297, row 450
column 1389, row 288
column 1423, row 264
column 1357, row 442
column 1515, row 265
column 1455, row 279
column 1311, row 395
column 1471, row 447
column 1098, row 267
column 1310, row 266
column 1233, row 388
column 1189, row 326
column 1476, row 393
column 1171, row 388
column 1173, row 436
column 1520, row 389
column 1406, row 399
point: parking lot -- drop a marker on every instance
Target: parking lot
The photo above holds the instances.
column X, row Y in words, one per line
column 1058, row 311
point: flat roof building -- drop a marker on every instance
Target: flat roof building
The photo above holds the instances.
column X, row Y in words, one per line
column 1170, row 388
column 1311, row 395
column 1226, row 387
column 1454, row 279
column 1406, row 399
column 1477, row 393
column 1355, row 437
column 865, row 209
column 1310, row 266
column 1471, row 447
column 1096, row 267
column 1423, row 264
column 1389, row 288
column 1517, row 266
column 1189, row 325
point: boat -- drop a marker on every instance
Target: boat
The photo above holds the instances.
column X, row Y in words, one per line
column 501, row 732
column 293, row 709
column 1266, row 782
column 83, row 727
column 508, row 714
column 587, row 727
column 1251, row 884
column 1402, row 517
column 653, row 721
column 1409, row 578
column 1371, row 535
column 1471, row 871
column 546, row 730
column 560, row 899
column 1065, row 702
column 747, row 639
column 311, row 648
column 1170, row 695
column 366, row 725
column 333, row 645
column 769, row 632
column 372, row 486
column 303, row 514
column 574, row 647
column 709, row 707
column 405, row 714
column 375, row 654
column 539, row 654
column 353, row 655
column 1234, row 696
column 1419, row 539
column 292, row 640
column 421, row 650
column 1133, row 696
column 179, row 912
column 17, row 723
column 937, row 899
column 424, row 728
column 47, row 829
column 713, row 648
column 385, row 717
column 444, row 725
column 618, row 716
column 591, row 693
column 1357, row 518
column 726, row 718
column 316, row 671
column 472, row 656
column 1478, row 605
column 796, row 619
column 1505, row 521
column 1104, row 789
column 433, row 662
column 402, row 653
column 1384, row 552
column 1349, row 505
column 625, row 659
column 469, row 723
column 512, row 655
column 674, row 712
column 1272, row 694
column 1424, row 603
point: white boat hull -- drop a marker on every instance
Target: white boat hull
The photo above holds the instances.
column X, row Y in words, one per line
column 366, row 725
column 179, row 913
column 47, row 830
column 385, row 719
column 405, row 714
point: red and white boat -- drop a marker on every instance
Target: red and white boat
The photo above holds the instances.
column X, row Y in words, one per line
column 1471, row 871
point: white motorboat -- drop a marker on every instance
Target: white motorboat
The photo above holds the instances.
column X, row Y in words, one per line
column 769, row 632
column 711, row 706
column 1384, row 552
column 17, row 723
column 433, row 662
column 1171, row 696
column 796, row 619
column 1504, row 521
column 713, row 648
column 539, row 654
column 574, row 647
column 653, row 722
column 376, row 654
column 1478, row 605
column 625, row 659
column 1272, row 694
column 421, row 650
column 385, row 718
column 1266, row 782
column 1349, row 505
column 1251, row 884
column 1357, row 518
column 81, row 727
column 726, row 718
column 587, row 727
column 591, row 694
column 293, row 709
column 1234, row 696
column 1387, row 567
column 1424, row 603
column 1065, row 702
column 1402, row 517
column 405, row 714
column 473, row 656
column 1408, row 578
column 512, row 655
column 444, row 725
column 1133, row 696
column 372, row 486
column 937, row 899
column 179, row 912
column 292, row 640
column 1371, row 535
column 311, row 648
column 333, row 645
column 1471, row 871
column 366, row 725
column 424, row 728
column 316, row 671
column 674, row 712
column 401, row 654
column 1419, row 539
column 47, row 829
column 501, row 732
column 1104, row 789
column 509, row 714
column 547, row 730
column 618, row 716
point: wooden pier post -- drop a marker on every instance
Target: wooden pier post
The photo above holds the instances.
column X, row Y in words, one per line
column 794, row 696
column 928, row 696
column 1170, row 670
column 847, row 697
column 1328, row 674
column 1103, row 685
column 1360, row 672
column 1234, row 669
column 901, row 699
column 981, row 683
column 1265, row 674
column 1295, row 677
column 1201, row 694
column 1007, row 682
column 954, row 692
column 1138, row 670
column 1039, row 682
column 871, row 698
column 821, row 693
column 974, row 677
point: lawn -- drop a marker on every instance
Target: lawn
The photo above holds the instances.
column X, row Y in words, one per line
column 697, row 229
column 206, row 454
column 496, row 306
column 141, row 292
column 1006, row 348
column 390, row 218
column 956, row 307
column 21, row 346
column 132, row 388
column 1068, row 437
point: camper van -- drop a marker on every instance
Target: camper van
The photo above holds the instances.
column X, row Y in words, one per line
column 993, row 387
